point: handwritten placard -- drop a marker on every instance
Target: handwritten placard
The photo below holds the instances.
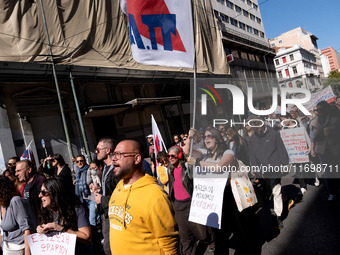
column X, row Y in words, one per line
column 52, row 243
column 295, row 142
column 207, row 200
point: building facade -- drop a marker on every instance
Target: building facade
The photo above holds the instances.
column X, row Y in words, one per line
column 299, row 36
column 245, row 42
column 296, row 68
column 333, row 57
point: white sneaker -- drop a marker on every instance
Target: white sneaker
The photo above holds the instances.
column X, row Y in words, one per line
column 317, row 182
column 331, row 197
column 303, row 191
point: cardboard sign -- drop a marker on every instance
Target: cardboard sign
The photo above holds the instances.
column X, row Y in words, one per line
column 52, row 243
column 295, row 142
column 207, row 200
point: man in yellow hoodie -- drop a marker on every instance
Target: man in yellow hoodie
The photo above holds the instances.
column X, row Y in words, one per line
column 140, row 213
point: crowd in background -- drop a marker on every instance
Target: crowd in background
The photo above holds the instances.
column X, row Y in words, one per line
column 81, row 199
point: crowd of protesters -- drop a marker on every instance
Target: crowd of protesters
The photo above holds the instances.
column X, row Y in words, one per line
column 121, row 204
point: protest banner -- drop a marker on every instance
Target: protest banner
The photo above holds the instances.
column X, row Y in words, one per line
column 325, row 94
column 207, row 201
column 52, row 243
column 295, row 142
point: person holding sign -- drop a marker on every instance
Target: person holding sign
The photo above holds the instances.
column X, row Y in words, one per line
column 194, row 237
column 62, row 212
column 14, row 219
column 216, row 154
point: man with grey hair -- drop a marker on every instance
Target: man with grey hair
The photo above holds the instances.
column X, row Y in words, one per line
column 25, row 172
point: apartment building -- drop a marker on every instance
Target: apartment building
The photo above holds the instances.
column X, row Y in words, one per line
column 246, row 45
column 296, row 68
column 300, row 36
column 333, row 58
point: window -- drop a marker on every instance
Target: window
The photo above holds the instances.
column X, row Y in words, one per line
column 291, row 57
column 251, row 57
column 230, row 5
column 277, row 62
column 298, row 84
column 258, row 20
column 255, row 7
column 273, row 44
column 287, row 72
column 262, row 34
column 284, row 60
column 224, row 18
column 238, row 9
column 242, row 25
column 252, row 17
column 233, row 22
column 222, row 2
column 249, row 2
column 216, row 14
column 294, row 70
column 280, row 41
column 249, row 29
column 235, row 53
column 244, row 55
column 256, row 32
column 245, row 13
column 279, row 74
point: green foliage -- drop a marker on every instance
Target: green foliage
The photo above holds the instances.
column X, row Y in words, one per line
column 333, row 80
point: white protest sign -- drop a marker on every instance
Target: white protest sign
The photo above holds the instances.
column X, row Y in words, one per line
column 207, row 201
column 295, row 142
column 325, row 94
column 53, row 243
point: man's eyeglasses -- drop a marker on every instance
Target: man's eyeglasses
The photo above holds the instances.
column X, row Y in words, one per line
column 44, row 193
column 172, row 156
column 78, row 161
column 120, row 155
column 20, row 170
column 208, row 137
column 97, row 150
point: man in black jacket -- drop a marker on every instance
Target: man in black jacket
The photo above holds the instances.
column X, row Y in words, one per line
column 25, row 171
column 104, row 149
column 267, row 152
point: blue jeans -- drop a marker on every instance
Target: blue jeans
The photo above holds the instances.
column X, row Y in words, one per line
column 93, row 217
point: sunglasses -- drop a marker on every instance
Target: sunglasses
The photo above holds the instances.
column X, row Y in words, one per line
column 11, row 164
column 208, row 137
column 44, row 192
column 78, row 161
column 172, row 156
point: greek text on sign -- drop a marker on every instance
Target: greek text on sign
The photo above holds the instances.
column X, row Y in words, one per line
column 53, row 243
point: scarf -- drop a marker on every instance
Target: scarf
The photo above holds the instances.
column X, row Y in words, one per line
column 81, row 186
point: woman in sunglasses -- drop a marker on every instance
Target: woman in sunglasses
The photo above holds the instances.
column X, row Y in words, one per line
column 60, row 168
column 194, row 237
column 63, row 212
column 215, row 153
column 14, row 219
column 162, row 169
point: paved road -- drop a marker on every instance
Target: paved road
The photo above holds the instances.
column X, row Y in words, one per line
column 311, row 227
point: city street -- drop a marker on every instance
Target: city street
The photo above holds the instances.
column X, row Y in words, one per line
column 312, row 225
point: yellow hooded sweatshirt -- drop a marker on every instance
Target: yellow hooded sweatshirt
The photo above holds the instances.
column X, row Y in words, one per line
column 149, row 226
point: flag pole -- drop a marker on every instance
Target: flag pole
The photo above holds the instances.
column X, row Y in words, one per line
column 195, row 72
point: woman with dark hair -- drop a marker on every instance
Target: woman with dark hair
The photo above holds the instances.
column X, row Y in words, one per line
column 14, row 220
column 238, row 145
column 63, row 212
column 194, row 237
column 216, row 154
column 61, row 168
